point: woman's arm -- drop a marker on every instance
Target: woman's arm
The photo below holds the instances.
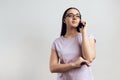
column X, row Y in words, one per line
column 88, row 47
column 55, row 67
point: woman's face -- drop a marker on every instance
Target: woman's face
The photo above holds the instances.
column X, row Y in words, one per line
column 72, row 18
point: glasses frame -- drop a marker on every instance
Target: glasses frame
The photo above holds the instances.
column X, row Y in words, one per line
column 71, row 15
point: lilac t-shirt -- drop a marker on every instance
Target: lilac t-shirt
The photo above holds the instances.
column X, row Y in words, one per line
column 69, row 50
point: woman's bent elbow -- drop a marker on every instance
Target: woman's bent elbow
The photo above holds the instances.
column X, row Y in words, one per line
column 52, row 70
column 91, row 59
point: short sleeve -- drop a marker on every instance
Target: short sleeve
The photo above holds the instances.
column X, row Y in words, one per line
column 91, row 36
column 53, row 45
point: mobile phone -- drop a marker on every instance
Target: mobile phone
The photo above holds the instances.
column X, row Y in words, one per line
column 81, row 25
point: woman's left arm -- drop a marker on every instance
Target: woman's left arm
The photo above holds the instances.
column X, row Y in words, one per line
column 88, row 46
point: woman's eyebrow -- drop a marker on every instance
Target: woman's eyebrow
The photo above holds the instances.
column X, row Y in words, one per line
column 75, row 14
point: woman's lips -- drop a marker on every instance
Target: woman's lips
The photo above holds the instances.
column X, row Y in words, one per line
column 74, row 22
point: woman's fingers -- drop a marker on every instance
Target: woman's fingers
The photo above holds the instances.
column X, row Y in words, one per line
column 83, row 61
column 80, row 62
column 88, row 63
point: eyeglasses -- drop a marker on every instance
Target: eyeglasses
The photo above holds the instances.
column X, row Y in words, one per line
column 71, row 15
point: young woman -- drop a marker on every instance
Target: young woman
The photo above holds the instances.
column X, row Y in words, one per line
column 73, row 52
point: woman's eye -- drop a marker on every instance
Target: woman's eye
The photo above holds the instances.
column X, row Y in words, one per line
column 78, row 16
column 70, row 15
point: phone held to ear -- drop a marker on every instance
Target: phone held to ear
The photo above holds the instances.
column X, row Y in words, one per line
column 81, row 25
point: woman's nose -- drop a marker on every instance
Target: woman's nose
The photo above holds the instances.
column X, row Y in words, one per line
column 74, row 17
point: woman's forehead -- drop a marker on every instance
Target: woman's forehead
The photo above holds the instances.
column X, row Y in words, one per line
column 73, row 11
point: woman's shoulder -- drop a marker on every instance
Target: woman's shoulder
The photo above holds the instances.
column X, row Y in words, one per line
column 89, row 34
column 57, row 39
column 55, row 42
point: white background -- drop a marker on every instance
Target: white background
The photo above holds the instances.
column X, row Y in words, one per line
column 28, row 28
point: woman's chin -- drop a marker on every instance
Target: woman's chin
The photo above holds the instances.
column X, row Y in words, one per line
column 74, row 26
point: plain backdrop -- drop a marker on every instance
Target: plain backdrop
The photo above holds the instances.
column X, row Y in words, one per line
column 28, row 28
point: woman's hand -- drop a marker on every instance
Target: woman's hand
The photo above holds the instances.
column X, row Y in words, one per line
column 83, row 29
column 79, row 62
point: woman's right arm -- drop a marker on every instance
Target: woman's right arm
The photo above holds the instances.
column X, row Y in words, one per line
column 55, row 67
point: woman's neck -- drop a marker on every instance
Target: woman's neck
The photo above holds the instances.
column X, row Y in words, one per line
column 71, row 33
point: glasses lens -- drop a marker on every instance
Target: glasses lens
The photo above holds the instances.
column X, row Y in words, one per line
column 73, row 15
